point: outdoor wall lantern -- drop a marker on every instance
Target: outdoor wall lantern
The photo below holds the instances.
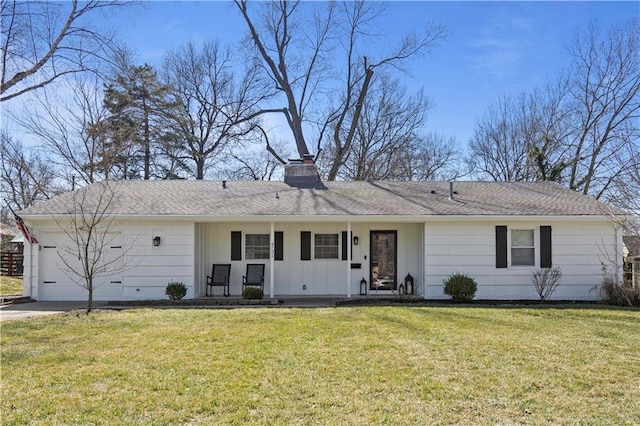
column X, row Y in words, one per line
column 156, row 241
column 409, row 288
column 356, row 240
column 363, row 287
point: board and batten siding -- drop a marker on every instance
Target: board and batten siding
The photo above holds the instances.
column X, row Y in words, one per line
column 578, row 248
column 151, row 268
column 296, row 277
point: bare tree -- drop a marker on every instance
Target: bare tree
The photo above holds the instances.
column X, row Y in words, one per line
column 433, row 157
column 216, row 102
column 604, row 102
column 254, row 163
column 389, row 141
column 43, row 41
column 582, row 132
column 73, row 129
column 92, row 231
column 299, row 58
column 519, row 138
column 27, row 176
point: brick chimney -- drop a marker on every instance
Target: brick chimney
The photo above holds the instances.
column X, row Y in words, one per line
column 302, row 173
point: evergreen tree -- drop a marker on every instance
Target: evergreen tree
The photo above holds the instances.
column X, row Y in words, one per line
column 138, row 105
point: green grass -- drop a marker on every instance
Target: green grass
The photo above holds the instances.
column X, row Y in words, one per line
column 10, row 286
column 357, row 365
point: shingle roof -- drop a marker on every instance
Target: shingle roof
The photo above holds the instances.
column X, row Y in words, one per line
column 243, row 199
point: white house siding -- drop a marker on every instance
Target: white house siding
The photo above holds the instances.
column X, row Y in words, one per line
column 579, row 248
column 145, row 271
column 320, row 276
column 149, row 269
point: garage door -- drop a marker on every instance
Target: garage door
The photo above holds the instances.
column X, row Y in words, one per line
column 55, row 282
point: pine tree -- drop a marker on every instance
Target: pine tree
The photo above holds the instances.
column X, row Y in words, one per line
column 138, row 104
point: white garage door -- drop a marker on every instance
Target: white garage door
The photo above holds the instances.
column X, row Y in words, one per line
column 55, row 281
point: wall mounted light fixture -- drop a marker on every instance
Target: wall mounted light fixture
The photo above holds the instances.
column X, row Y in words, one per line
column 356, row 240
column 156, row 241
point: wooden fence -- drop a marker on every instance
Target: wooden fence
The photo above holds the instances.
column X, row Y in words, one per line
column 11, row 264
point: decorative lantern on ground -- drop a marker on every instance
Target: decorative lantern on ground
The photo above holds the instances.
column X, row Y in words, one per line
column 408, row 284
column 401, row 289
column 363, row 287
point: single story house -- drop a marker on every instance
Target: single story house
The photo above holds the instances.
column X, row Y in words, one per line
column 333, row 238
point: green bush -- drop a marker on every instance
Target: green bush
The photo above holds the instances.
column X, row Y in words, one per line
column 460, row 287
column 176, row 290
column 252, row 293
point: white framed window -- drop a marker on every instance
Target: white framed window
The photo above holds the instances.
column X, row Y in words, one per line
column 256, row 246
column 326, row 246
column 523, row 249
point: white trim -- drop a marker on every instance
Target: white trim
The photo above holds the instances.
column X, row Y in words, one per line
column 536, row 246
column 272, row 256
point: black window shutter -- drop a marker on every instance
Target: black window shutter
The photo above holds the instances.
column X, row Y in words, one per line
column 344, row 245
column 545, row 247
column 305, row 245
column 345, row 241
column 236, row 245
column 279, row 245
column 501, row 246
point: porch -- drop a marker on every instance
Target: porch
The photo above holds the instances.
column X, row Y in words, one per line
column 313, row 260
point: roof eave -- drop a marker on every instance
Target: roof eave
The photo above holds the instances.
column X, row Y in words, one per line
column 340, row 218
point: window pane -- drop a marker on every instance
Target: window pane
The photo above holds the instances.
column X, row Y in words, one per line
column 326, row 246
column 522, row 256
column 522, row 238
column 257, row 246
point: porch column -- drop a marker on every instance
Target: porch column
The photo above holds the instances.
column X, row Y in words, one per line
column 272, row 256
column 424, row 261
column 349, row 239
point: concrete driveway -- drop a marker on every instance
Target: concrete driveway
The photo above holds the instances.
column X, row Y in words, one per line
column 36, row 309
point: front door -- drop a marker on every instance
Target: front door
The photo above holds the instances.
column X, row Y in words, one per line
column 383, row 260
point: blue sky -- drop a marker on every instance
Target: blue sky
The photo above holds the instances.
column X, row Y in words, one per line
column 493, row 48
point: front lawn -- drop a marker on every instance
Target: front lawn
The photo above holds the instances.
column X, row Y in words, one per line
column 351, row 365
column 10, row 286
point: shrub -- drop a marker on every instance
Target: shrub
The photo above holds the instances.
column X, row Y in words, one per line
column 461, row 287
column 252, row 293
column 546, row 281
column 618, row 295
column 176, row 290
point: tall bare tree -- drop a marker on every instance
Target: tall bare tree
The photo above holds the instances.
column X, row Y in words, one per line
column 72, row 127
column 216, row 102
column 605, row 104
column 389, row 140
column 585, row 131
column 298, row 53
column 43, row 41
column 519, row 138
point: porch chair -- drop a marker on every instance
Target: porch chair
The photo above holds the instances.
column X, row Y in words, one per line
column 220, row 274
column 254, row 276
